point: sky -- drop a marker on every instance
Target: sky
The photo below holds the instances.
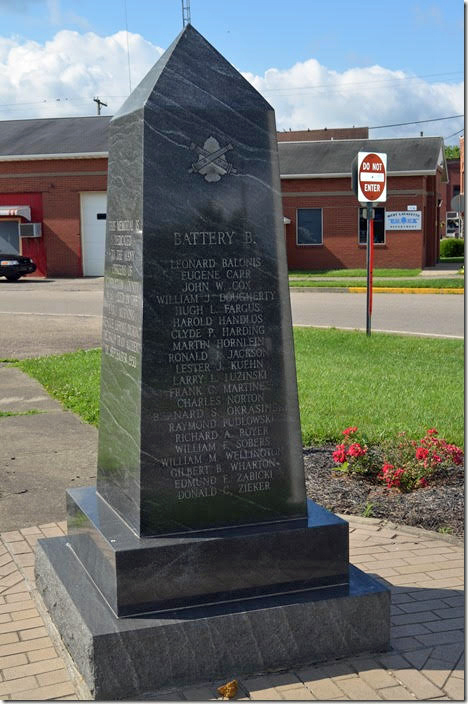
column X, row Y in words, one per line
column 320, row 64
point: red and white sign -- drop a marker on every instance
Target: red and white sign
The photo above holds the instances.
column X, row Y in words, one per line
column 372, row 177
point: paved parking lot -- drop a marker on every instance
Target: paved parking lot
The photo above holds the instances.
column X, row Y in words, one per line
column 42, row 316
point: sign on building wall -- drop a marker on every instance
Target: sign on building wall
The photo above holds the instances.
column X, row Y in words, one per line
column 403, row 220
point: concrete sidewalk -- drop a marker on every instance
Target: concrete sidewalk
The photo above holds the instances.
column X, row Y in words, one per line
column 423, row 570
column 41, row 454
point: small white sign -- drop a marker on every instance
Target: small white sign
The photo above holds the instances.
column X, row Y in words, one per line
column 403, row 220
column 411, row 207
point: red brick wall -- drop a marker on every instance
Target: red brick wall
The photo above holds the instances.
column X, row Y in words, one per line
column 332, row 133
column 59, row 183
column 30, row 247
column 340, row 248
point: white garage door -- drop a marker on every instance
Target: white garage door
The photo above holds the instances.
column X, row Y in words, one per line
column 93, row 232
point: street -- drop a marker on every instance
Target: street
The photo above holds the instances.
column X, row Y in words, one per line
column 435, row 315
column 40, row 317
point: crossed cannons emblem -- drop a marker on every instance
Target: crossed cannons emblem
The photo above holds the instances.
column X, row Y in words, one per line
column 212, row 164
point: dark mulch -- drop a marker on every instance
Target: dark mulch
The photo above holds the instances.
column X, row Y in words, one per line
column 438, row 507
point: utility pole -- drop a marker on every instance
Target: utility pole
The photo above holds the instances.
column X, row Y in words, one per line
column 99, row 103
column 186, row 13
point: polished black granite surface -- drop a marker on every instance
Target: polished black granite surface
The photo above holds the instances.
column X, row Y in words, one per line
column 199, row 533
column 133, row 657
column 199, row 413
column 136, row 575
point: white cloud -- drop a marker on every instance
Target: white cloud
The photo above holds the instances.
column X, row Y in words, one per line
column 72, row 68
column 309, row 95
column 61, row 77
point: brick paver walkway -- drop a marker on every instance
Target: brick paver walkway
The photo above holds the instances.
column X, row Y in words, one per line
column 425, row 573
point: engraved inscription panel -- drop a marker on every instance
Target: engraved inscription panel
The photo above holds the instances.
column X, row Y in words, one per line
column 220, row 407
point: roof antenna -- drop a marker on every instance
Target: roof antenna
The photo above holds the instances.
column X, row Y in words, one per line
column 186, row 19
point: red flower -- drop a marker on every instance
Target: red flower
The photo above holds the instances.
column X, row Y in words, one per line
column 350, row 430
column 422, row 453
column 456, row 453
column 422, row 482
column 339, row 454
column 356, row 450
column 386, row 468
column 432, row 431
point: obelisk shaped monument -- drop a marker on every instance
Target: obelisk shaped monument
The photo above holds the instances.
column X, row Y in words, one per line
column 199, row 420
column 198, row 558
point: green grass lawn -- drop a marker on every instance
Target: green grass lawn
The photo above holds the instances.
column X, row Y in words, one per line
column 347, row 273
column 400, row 283
column 452, row 260
column 383, row 384
column 73, row 379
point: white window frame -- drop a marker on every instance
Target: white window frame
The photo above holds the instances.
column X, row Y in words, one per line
column 309, row 244
column 376, row 244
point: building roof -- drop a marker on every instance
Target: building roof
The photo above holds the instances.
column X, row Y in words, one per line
column 417, row 155
column 326, row 133
column 55, row 137
column 86, row 137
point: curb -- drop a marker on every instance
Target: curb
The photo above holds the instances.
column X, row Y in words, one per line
column 363, row 289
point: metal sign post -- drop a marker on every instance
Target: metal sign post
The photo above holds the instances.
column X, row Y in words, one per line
column 370, row 264
column 369, row 183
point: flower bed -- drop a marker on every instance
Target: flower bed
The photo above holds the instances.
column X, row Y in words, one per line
column 418, row 483
column 438, row 506
column 400, row 463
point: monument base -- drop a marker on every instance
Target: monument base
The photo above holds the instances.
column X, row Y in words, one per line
column 137, row 576
column 134, row 656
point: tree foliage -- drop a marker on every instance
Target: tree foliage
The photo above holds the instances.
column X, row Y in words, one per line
column 452, row 151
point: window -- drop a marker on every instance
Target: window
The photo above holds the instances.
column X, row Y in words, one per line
column 309, row 226
column 379, row 226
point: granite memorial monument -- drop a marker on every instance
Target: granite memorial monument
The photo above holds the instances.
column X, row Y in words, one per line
column 198, row 556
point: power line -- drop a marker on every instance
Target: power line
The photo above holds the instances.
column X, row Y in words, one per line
column 358, row 83
column 266, row 90
column 416, row 122
column 58, row 100
column 455, row 133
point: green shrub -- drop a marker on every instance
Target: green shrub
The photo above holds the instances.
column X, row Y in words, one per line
column 451, row 247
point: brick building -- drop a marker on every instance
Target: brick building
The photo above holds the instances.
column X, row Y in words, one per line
column 56, row 168
column 326, row 133
column 324, row 225
column 53, row 180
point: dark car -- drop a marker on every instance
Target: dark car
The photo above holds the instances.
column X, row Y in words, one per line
column 13, row 266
